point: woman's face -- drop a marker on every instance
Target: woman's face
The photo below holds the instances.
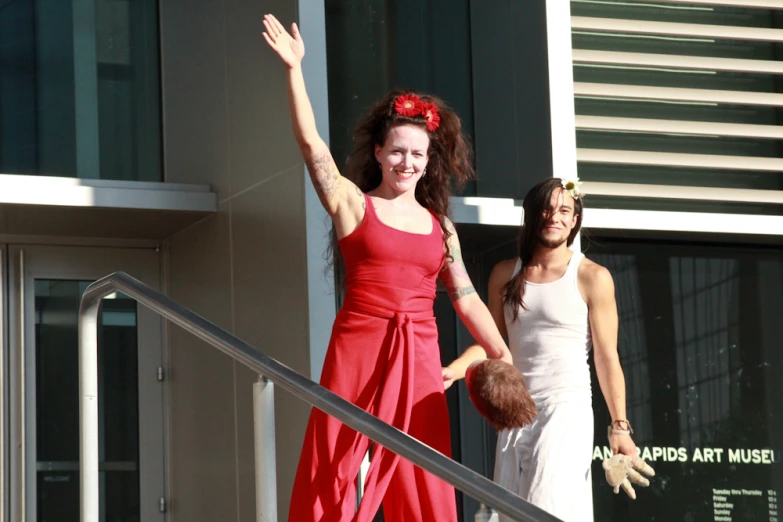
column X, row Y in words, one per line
column 403, row 157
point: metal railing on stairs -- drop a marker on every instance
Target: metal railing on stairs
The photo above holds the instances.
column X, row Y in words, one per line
column 462, row 478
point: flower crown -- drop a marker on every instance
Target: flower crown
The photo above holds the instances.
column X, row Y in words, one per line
column 572, row 187
column 412, row 106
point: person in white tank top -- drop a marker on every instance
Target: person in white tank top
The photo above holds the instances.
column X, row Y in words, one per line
column 554, row 306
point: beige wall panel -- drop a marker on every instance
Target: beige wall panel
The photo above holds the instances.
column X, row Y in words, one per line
column 193, row 75
column 262, row 144
column 270, row 312
column 202, row 444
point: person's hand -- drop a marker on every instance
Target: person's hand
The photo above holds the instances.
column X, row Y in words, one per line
column 448, row 377
column 290, row 48
column 622, row 443
column 622, row 473
column 507, row 358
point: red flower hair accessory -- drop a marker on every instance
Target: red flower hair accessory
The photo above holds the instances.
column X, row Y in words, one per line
column 408, row 105
column 431, row 116
column 411, row 105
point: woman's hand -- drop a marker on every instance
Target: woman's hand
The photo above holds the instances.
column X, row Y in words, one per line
column 448, row 377
column 290, row 49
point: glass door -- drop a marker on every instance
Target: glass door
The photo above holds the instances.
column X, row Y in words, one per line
column 45, row 286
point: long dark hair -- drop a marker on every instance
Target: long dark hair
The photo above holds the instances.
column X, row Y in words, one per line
column 534, row 206
column 449, row 167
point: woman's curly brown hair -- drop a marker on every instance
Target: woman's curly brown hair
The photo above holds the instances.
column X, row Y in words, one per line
column 450, row 163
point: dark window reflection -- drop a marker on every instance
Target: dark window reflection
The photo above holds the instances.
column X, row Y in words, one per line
column 57, row 404
column 374, row 46
column 79, row 93
column 701, row 342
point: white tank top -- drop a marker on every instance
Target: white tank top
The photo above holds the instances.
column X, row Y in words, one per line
column 550, row 340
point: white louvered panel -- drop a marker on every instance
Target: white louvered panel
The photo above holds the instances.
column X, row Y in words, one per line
column 704, row 128
column 674, row 61
column 616, row 25
column 671, row 159
column 763, row 4
column 640, row 190
column 675, row 94
column 655, row 61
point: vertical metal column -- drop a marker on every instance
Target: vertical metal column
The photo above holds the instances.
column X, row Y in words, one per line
column 361, row 480
column 485, row 514
column 21, row 499
column 264, row 442
column 85, row 89
column 88, row 410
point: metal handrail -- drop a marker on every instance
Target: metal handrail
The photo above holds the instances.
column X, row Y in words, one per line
column 464, row 479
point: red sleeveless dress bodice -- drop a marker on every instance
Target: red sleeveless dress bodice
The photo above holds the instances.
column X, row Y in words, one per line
column 389, row 268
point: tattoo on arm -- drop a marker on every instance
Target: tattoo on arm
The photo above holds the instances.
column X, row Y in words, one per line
column 457, row 266
column 456, row 271
column 325, row 176
column 361, row 195
column 457, row 293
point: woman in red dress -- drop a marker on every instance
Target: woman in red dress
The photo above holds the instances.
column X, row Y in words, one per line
column 390, row 217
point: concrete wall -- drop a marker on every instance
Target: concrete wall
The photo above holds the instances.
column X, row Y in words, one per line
column 246, row 269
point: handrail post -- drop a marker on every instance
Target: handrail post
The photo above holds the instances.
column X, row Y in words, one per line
column 361, row 478
column 485, row 514
column 264, row 443
column 88, row 410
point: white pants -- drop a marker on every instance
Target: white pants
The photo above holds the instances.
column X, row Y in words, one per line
column 548, row 463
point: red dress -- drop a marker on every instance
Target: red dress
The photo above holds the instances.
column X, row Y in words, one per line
column 384, row 357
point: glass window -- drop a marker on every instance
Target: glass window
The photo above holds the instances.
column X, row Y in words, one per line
column 79, row 89
column 57, row 406
column 700, row 343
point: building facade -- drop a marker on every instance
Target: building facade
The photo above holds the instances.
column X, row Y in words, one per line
column 152, row 137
